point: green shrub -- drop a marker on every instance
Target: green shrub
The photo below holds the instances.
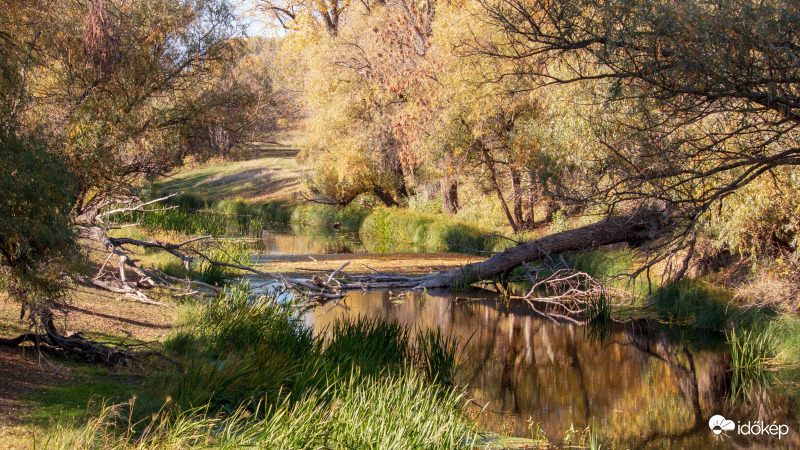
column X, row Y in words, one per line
column 398, row 230
column 36, row 230
column 349, row 217
column 186, row 201
column 693, row 302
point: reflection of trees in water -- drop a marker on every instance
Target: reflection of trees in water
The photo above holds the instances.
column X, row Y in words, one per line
column 632, row 386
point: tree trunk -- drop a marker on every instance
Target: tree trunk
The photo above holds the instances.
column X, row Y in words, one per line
column 450, row 196
column 487, row 159
column 516, row 187
column 644, row 225
column 530, row 221
column 387, row 199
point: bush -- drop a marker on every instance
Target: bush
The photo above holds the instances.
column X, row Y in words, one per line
column 38, row 194
column 349, row 217
column 397, row 230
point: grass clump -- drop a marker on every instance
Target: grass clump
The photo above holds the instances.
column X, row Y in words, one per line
column 252, row 373
column 751, row 360
column 225, row 251
column 372, row 344
column 693, row 302
column 349, row 217
column 398, row 230
column 435, row 353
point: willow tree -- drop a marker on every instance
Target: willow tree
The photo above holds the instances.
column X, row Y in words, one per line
column 696, row 100
column 96, row 96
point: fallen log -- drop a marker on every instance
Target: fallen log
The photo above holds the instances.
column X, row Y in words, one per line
column 641, row 226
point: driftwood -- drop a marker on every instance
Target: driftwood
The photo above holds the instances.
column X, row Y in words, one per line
column 325, row 289
column 644, row 225
column 640, row 226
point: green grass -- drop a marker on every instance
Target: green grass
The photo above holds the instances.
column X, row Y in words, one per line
column 437, row 353
column 369, row 413
column 252, row 373
column 67, row 403
column 225, row 251
column 693, row 302
column 370, row 344
column 245, row 220
column 252, row 179
column 349, row 217
column 398, row 230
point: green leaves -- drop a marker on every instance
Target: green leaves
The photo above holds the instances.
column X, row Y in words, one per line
column 38, row 193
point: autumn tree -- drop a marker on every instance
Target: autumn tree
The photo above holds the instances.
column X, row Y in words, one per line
column 96, row 97
column 695, row 100
column 291, row 14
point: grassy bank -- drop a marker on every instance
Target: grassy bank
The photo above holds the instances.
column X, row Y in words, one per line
column 250, row 373
column 276, row 175
column 761, row 337
column 382, row 229
column 400, row 230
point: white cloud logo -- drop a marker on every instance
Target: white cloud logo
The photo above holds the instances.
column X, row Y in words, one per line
column 718, row 424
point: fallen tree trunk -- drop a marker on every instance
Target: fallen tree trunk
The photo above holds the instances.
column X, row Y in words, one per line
column 640, row 226
column 644, row 225
column 76, row 345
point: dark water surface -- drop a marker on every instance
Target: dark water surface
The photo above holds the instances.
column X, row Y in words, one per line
column 635, row 385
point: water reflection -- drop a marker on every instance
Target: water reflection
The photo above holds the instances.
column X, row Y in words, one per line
column 309, row 241
column 637, row 386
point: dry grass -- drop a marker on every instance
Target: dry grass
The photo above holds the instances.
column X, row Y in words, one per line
column 274, row 176
column 360, row 264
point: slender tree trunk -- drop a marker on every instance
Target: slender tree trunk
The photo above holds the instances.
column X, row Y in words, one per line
column 487, row 159
column 516, row 182
column 450, row 195
column 384, row 196
column 531, row 219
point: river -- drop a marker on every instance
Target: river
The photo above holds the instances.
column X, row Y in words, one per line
column 636, row 383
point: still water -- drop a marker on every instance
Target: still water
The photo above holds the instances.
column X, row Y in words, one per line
column 306, row 241
column 635, row 385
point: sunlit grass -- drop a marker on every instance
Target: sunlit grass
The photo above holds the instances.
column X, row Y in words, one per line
column 277, row 176
column 397, row 230
column 349, row 217
column 251, row 373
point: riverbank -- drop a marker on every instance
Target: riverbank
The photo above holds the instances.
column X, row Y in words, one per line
column 722, row 300
column 246, row 365
column 231, row 379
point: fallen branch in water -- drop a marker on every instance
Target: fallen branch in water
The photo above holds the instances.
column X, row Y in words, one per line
column 639, row 226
